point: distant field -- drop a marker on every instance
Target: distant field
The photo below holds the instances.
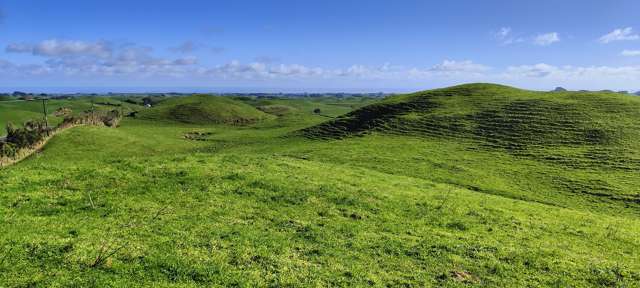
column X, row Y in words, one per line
column 433, row 189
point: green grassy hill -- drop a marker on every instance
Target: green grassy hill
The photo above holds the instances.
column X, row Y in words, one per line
column 402, row 205
column 560, row 143
column 204, row 109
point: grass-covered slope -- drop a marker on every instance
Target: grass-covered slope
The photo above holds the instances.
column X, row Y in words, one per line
column 547, row 147
column 252, row 206
column 204, row 109
column 498, row 116
column 248, row 211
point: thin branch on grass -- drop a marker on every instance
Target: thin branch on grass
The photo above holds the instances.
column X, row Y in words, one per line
column 105, row 253
column 159, row 213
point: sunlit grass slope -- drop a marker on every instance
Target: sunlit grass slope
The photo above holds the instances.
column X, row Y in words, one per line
column 204, row 109
column 556, row 148
column 254, row 206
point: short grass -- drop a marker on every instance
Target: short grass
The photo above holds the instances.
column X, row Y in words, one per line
column 256, row 205
column 204, row 109
column 566, row 149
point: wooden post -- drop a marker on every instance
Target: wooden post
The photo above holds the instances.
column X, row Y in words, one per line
column 44, row 111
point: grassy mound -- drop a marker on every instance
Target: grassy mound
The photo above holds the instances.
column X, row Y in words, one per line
column 574, row 128
column 204, row 109
column 540, row 146
column 278, row 110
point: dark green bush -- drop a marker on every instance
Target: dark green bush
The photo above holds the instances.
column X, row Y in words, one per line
column 7, row 150
column 31, row 133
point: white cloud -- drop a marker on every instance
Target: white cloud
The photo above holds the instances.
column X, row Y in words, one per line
column 55, row 47
column 503, row 33
column 568, row 73
column 190, row 60
column 630, row 53
column 506, row 36
column 73, row 60
column 623, row 34
column 546, row 39
column 451, row 66
column 95, row 59
column 536, row 70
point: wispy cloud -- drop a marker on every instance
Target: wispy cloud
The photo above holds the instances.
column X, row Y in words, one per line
column 267, row 59
column 457, row 67
column 569, row 73
column 55, row 47
column 622, row 34
column 503, row 33
column 74, row 57
column 506, row 36
column 546, row 39
column 630, row 53
column 185, row 47
column 99, row 61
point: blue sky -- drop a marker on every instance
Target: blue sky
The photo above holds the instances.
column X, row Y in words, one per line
column 319, row 45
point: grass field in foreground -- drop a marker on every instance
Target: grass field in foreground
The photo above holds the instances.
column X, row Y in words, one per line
column 257, row 206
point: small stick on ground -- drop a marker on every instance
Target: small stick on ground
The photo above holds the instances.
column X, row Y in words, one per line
column 105, row 253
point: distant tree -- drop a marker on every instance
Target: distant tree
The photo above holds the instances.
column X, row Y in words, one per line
column 147, row 101
column 317, row 111
column 559, row 89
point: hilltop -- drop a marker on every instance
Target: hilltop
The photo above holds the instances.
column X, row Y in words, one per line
column 204, row 109
column 522, row 122
column 521, row 135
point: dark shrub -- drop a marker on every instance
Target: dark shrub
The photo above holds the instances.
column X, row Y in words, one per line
column 32, row 133
column 7, row 150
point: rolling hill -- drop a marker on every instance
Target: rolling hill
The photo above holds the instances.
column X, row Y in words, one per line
column 204, row 109
column 582, row 132
column 441, row 188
